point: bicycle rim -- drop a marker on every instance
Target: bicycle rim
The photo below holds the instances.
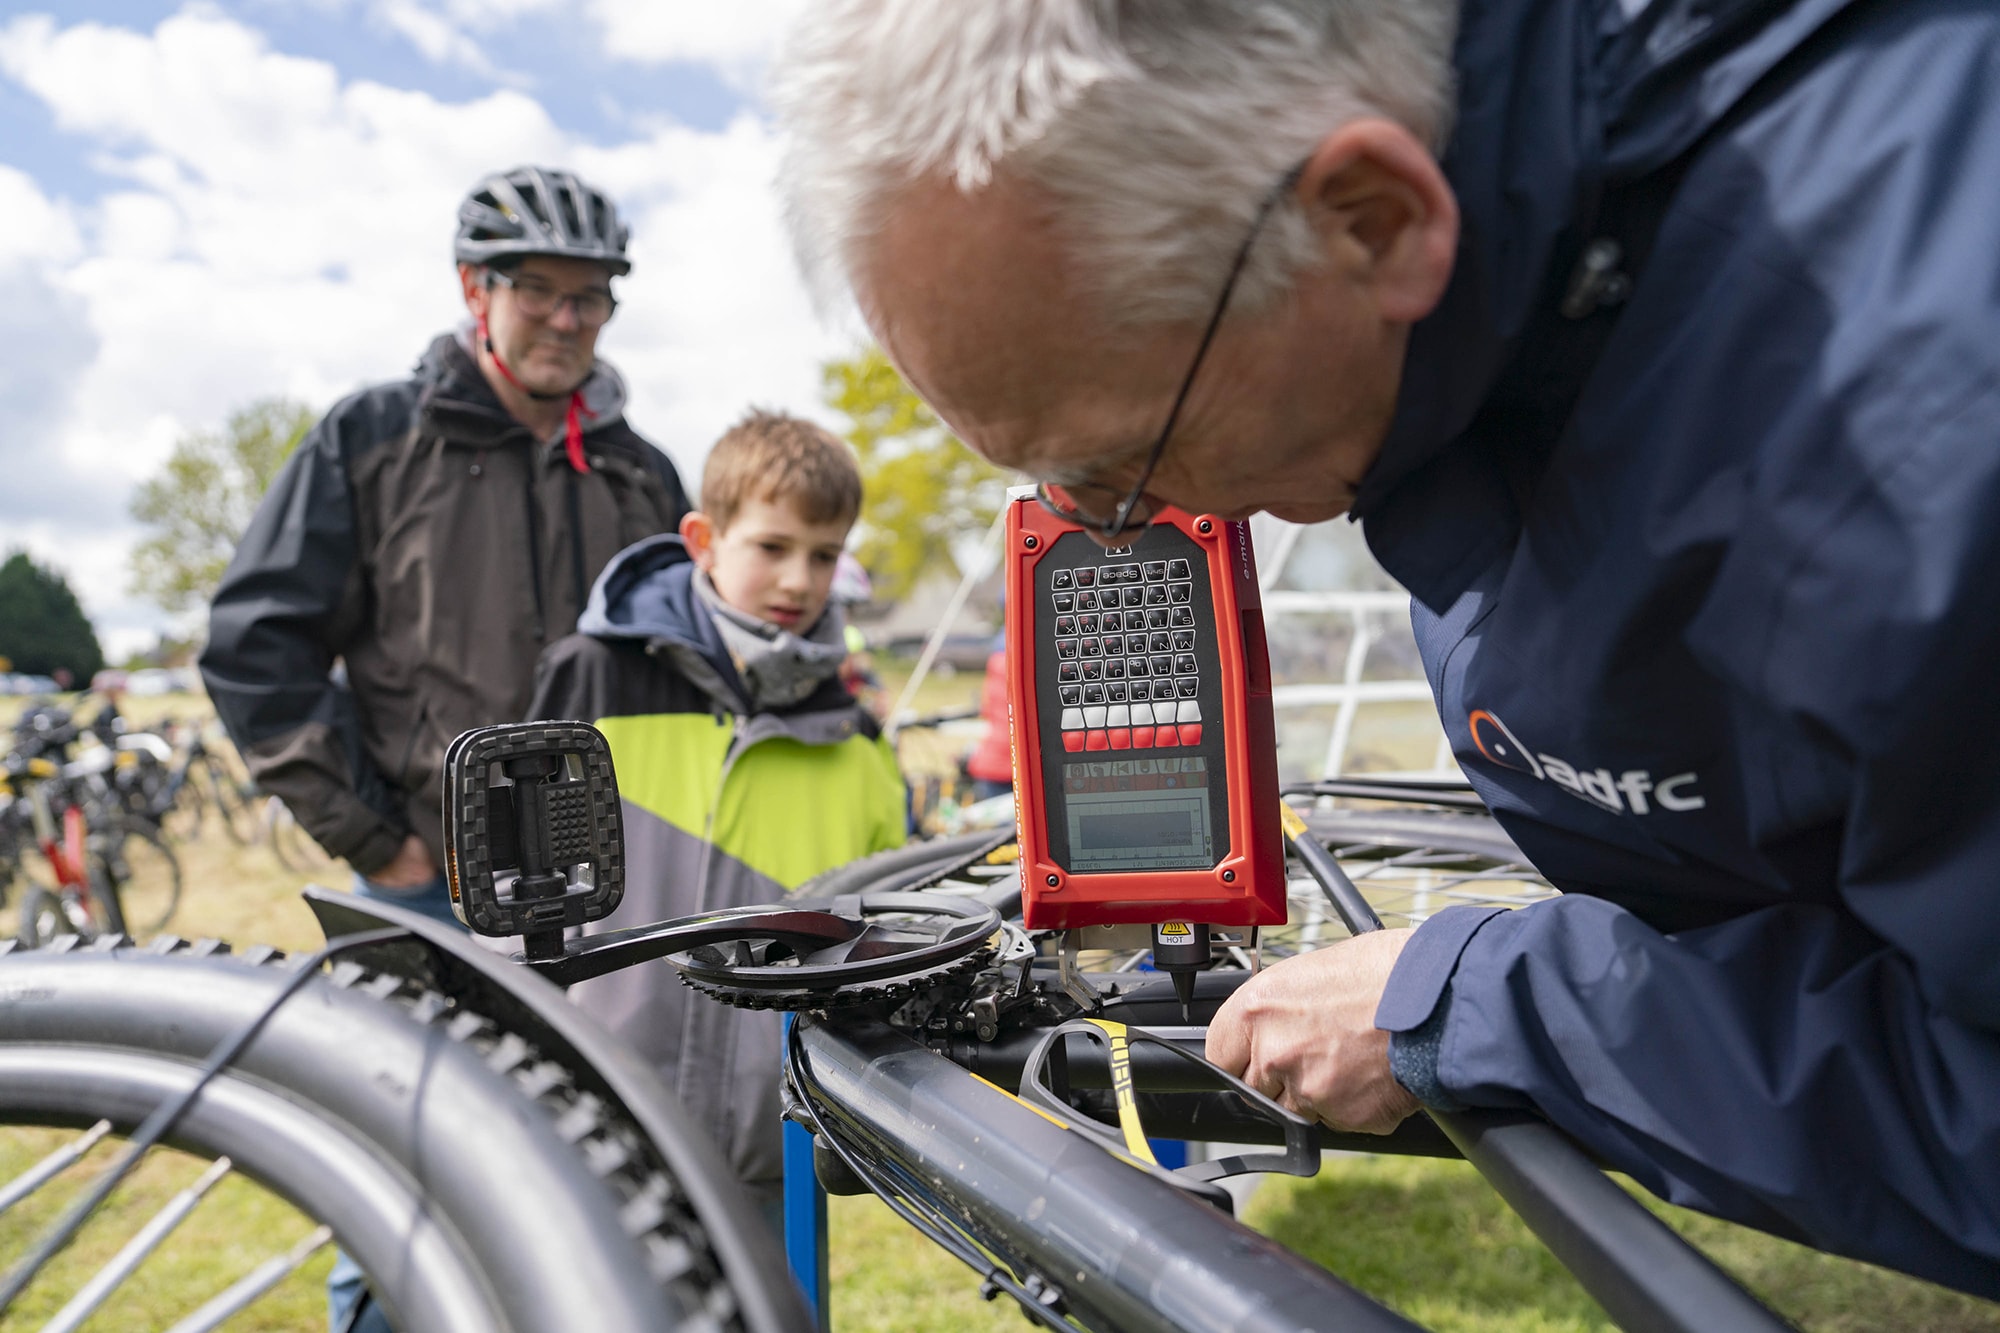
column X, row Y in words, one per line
column 472, row 1180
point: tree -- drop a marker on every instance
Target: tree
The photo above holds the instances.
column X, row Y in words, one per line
column 925, row 490
column 43, row 630
column 202, row 500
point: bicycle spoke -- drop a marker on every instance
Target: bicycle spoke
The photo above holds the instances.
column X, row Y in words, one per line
column 245, row 1291
column 42, row 1172
column 147, row 1239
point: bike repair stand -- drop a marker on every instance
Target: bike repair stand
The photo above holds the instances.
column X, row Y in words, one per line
column 805, row 1215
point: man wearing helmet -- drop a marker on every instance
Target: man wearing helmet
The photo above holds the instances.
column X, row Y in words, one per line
column 431, row 534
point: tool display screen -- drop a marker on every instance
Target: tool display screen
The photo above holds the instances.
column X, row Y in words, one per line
column 1129, row 676
column 1139, row 814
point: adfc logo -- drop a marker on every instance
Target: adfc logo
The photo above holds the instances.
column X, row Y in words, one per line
column 1633, row 790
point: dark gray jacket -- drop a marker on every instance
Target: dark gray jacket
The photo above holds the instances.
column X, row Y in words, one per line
column 421, row 536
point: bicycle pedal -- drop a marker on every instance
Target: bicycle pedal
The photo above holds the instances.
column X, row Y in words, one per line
column 534, row 839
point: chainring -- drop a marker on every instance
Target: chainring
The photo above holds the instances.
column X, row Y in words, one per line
column 893, row 946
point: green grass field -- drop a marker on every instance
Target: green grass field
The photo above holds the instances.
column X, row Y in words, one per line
column 1427, row 1237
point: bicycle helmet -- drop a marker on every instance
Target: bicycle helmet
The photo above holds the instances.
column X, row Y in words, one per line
column 540, row 211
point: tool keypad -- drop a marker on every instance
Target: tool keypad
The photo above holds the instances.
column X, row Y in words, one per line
column 1127, row 676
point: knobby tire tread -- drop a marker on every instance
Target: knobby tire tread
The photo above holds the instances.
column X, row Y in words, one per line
column 668, row 1238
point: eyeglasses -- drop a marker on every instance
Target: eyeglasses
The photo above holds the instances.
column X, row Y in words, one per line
column 538, row 300
column 1098, row 509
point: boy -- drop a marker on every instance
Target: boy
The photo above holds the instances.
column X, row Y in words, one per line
column 711, row 662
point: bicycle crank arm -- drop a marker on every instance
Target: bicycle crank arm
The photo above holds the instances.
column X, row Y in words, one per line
column 801, row 929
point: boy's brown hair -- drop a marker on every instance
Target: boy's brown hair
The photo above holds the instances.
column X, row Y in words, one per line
column 774, row 457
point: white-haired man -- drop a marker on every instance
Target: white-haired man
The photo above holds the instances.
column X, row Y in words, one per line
column 1657, row 346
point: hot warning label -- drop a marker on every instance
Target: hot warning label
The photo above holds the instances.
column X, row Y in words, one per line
column 1175, row 928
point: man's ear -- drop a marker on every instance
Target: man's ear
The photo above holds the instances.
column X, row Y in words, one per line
column 698, row 531
column 1384, row 213
column 472, row 283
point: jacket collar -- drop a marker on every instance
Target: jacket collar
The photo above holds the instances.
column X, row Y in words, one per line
column 1557, row 101
column 460, row 405
column 646, row 596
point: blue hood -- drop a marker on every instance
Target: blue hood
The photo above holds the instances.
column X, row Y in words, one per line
column 647, row 594
column 1558, row 101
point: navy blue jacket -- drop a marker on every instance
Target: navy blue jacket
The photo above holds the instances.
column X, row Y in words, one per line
column 1708, row 590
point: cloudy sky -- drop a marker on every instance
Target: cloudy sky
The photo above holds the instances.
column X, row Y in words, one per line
column 206, row 204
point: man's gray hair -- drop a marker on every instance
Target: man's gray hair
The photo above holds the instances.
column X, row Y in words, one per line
column 1158, row 126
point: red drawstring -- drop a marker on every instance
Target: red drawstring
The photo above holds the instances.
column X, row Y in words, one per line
column 573, row 430
column 572, row 422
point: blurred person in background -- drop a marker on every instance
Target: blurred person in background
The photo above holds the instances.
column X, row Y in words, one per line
column 434, row 534
column 851, row 588
column 430, row 536
column 991, row 763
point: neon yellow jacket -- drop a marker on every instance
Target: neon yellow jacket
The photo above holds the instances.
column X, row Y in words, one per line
column 723, row 807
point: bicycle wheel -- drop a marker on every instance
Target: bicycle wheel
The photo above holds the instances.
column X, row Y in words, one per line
column 293, row 846
column 232, row 802
column 183, row 812
column 482, row 1182
column 146, row 874
column 49, row 913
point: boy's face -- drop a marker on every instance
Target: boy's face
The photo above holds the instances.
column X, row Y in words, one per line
column 770, row 561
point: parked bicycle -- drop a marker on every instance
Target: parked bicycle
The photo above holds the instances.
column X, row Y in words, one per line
column 83, row 863
column 181, row 788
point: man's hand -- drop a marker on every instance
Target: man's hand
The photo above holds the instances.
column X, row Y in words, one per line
column 411, row 868
column 1303, row 1033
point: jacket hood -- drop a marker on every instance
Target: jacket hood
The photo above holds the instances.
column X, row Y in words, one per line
column 456, row 391
column 1558, row 101
column 647, row 593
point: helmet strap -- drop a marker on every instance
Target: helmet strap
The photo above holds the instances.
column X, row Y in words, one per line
column 572, row 418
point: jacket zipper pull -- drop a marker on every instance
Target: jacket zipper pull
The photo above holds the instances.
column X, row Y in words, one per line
column 1596, row 284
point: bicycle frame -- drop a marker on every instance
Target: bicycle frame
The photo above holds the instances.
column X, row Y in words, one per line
column 62, row 848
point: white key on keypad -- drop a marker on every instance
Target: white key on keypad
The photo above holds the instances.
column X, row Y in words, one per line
column 1072, row 719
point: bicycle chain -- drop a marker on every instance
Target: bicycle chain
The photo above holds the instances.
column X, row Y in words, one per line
column 844, row 995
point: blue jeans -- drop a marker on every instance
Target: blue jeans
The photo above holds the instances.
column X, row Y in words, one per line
column 432, row 899
column 344, row 1287
column 345, row 1283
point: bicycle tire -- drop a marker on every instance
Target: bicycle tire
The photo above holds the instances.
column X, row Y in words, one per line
column 290, row 844
column 185, row 807
column 148, row 887
column 481, row 1184
column 48, row 914
column 1478, row 836
column 240, row 823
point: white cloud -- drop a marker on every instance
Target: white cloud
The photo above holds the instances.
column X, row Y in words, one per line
column 737, row 37
column 281, row 230
column 38, row 229
column 437, row 37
